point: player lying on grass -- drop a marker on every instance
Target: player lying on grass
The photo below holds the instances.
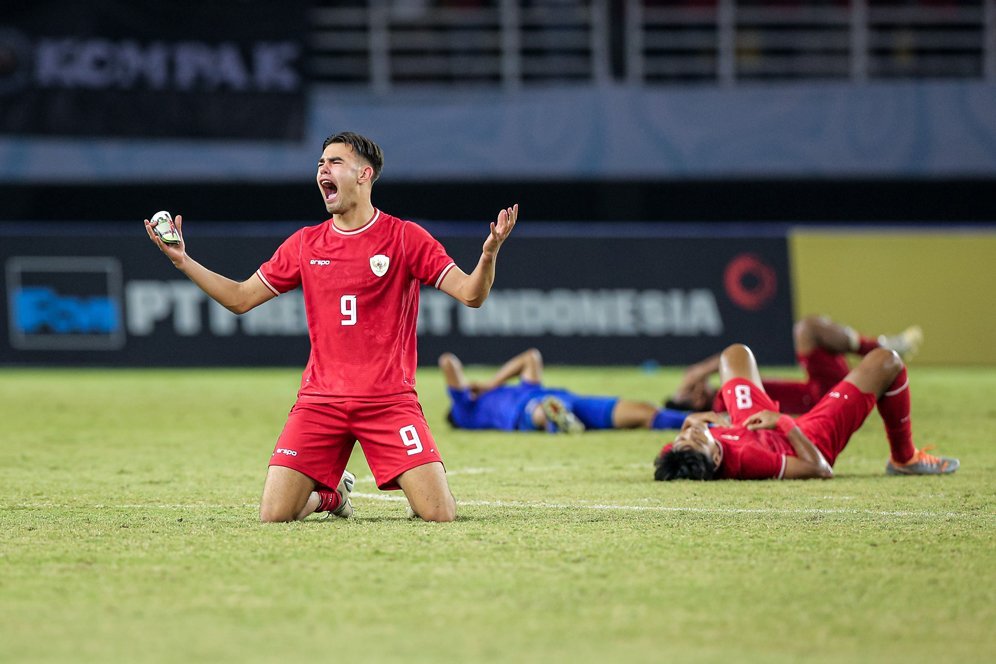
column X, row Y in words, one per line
column 821, row 347
column 530, row 406
column 759, row 442
column 359, row 272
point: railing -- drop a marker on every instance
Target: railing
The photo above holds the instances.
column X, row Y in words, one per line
column 388, row 43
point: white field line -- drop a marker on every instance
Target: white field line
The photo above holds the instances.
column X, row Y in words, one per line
column 662, row 508
column 540, row 505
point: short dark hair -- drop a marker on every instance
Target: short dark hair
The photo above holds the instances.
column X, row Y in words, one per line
column 363, row 146
column 683, row 465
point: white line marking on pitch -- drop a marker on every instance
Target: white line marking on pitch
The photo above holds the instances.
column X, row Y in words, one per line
column 384, row 497
column 658, row 508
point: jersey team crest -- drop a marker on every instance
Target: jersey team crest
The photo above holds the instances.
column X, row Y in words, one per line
column 379, row 264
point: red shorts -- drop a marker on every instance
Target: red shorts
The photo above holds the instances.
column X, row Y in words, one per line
column 743, row 398
column 824, row 369
column 832, row 422
column 318, row 439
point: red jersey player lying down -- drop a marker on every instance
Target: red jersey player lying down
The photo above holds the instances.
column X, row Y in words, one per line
column 761, row 443
column 821, row 349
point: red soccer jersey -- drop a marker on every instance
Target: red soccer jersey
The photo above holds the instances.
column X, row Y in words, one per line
column 749, row 455
column 361, row 291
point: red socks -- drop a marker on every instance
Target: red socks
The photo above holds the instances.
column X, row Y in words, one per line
column 894, row 407
column 866, row 345
column 328, row 500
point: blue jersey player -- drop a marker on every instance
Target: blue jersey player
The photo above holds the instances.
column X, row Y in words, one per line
column 530, row 406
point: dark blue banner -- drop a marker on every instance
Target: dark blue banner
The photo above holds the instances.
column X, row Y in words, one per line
column 111, row 298
column 219, row 69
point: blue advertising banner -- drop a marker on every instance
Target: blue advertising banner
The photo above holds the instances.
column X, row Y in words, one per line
column 111, row 299
column 220, row 69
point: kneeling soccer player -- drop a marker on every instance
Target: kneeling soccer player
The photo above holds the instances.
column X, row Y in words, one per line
column 761, row 443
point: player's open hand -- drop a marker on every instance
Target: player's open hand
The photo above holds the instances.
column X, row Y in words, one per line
column 765, row 419
column 500, row 229
column 175, row 252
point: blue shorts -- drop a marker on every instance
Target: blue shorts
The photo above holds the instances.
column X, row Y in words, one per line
column 499, row 409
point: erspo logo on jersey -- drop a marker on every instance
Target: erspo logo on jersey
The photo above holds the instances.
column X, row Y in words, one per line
column 64, row 303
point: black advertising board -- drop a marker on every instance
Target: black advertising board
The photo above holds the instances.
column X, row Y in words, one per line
column 219, row 69
column 110, row 298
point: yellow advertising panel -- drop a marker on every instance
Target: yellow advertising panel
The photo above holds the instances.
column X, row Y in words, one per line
column 883, row 281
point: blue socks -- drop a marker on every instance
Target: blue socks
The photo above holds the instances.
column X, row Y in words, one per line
column 668, row 419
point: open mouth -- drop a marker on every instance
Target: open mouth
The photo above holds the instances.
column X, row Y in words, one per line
column 329, row 190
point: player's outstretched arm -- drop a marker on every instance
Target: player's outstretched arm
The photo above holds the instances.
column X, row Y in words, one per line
column 473, row 289
column 236, row 296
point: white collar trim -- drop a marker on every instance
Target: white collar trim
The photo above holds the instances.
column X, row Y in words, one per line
column 373, row 220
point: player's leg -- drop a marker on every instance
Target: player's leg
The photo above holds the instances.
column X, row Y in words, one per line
column 820, row 347
column 402, row 454
column 877, row 372
column 741, row 390
column 883, row 374
column 633, row 414
column 814, row 332
column 737, row 361
column 879, row 380
column 285, row 494
column 428, row 492
column 452, row 369
column 629, row 414
column 307, row 467
column 283, row 491
column 332, row 501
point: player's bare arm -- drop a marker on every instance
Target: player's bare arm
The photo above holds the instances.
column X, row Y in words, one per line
column 698, row 374
column 809, row 461
column 473, row 289
column 236, row 296
column 452, row 369
column 527, row 364
column 706, row 417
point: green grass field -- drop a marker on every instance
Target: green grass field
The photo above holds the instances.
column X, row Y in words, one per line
column 128, row 533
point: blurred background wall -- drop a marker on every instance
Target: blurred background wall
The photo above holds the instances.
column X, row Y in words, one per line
column 697, row 120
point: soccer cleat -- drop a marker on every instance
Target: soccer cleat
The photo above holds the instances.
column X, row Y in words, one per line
column 923, row 464
column 557, row 415
column 906, row 343
column 345, row 509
